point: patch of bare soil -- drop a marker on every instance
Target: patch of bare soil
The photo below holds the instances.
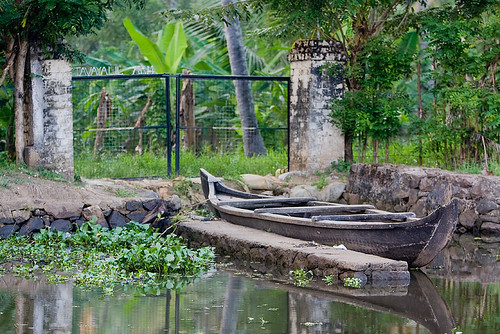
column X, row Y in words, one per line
column 19, row 190
column 23, row 191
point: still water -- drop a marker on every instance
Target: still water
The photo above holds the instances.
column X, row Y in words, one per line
column 461, row 289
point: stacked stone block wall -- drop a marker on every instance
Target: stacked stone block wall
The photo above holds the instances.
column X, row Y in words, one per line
column 66, row 217
column 422, row 190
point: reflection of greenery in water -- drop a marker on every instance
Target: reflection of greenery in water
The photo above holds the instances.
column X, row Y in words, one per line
column 267, row 308
column 475, row 306
column 7, row 312
column 245, row 305
column 238, row 304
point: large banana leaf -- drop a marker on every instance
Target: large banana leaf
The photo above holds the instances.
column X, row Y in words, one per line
column 166, row 54
column 172, row 41
column 148, row 48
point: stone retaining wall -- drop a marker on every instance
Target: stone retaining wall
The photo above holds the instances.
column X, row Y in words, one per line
column 62, row 217
column 421, row 190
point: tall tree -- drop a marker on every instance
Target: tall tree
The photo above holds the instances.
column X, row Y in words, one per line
column 253, row 143
column 42, row 25
column 352, row 23
column 213, row 29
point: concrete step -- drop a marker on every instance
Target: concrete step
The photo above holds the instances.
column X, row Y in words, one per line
column 279, row 254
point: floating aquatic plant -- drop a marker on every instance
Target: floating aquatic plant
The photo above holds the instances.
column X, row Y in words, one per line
column 133, row 255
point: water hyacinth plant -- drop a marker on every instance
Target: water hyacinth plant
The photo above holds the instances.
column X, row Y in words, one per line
column 300, row 277
column 133, row 255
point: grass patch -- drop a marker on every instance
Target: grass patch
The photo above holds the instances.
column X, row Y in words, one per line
column 125, row 192
column 120, row 165
column 148, row 165
column 406, row 153
column 9, row 172
column 134, row 256
column 231, row 166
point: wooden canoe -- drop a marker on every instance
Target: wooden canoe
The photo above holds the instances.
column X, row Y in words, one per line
column 362, row 228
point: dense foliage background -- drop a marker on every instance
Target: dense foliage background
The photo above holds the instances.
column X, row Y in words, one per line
column 422, row 76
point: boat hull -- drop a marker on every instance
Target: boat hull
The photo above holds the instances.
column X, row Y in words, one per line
column 417, row 241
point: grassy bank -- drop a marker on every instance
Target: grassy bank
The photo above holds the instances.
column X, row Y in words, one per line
column 133, row 165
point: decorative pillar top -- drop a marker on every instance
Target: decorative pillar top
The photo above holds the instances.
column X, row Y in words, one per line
column 317, row 50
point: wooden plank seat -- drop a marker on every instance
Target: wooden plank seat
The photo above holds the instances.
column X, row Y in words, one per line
column 367, row 217
column 266, row 202
column 320, row 209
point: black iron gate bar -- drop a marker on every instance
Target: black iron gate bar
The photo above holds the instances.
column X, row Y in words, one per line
column 178, row 78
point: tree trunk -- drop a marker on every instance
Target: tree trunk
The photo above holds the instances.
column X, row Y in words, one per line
column 19, row 99
column 187, row 112
column 103, row 111
column 363, row 150
column 387, row 151
column 139, row 123
column 253, row 144
column 348, row 156
column 375, row 151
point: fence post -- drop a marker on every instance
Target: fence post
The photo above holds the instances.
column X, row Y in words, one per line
column 169, row 128
column 177, row 123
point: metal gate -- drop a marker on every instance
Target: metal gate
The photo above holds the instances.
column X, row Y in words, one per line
column 147, row 114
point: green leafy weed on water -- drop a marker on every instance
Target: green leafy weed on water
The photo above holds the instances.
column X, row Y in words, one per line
column 134, row 255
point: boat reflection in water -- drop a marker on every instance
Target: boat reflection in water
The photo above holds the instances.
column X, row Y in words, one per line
column 420, row 302
column 310, row 310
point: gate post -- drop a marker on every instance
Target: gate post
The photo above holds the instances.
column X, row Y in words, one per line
column 315, row 79
column 52, row 113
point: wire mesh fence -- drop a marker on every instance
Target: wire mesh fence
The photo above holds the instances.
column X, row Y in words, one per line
column 141, row 118
column 7, row 145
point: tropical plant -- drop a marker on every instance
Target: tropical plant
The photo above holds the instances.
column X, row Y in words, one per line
column 351, row 23
column 375, row 110
column 166, row 54
column 7, row 119
column 244, row 58
column 352, row 282
column 300, row 277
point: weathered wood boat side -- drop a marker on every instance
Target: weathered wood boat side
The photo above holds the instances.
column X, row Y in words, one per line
column 362, row 228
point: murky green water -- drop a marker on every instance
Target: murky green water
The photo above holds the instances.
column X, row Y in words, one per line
column 461, row 289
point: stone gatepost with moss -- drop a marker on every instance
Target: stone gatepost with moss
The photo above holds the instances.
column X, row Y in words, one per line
column 49, row 137
column 315, row 79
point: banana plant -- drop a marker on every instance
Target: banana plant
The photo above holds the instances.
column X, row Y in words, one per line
column 166, row 54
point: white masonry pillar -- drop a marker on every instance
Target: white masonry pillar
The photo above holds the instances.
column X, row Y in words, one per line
column 52, row 145
column 315, row 79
